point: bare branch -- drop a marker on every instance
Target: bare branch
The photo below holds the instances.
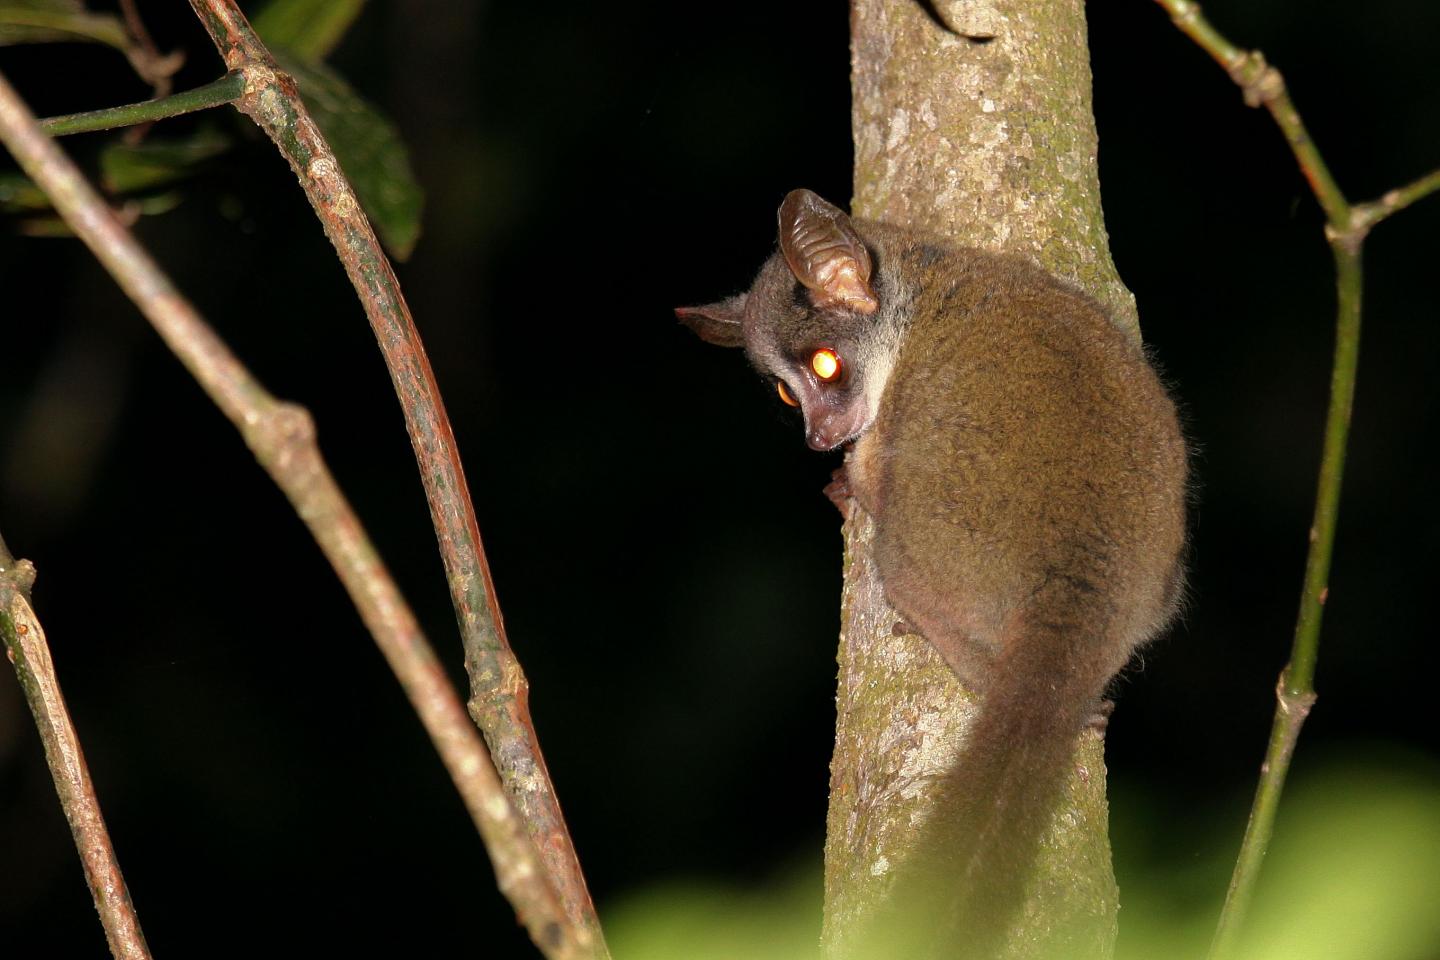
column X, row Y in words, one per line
column 29, row 653
column 1366, row 215
column 1263, row 86
column 282, row 437
column 499, row 691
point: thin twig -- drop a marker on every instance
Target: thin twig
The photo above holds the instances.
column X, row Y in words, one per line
column 154, row 68
column 213, row 94
column 157, row 70
column 99, row 27
column 1366, row 215
column 499, row 691
column 1263, row 85
column 282, row 437
column 1346, row 228
column 135, row 26
column 25, row 645
column 1295, row 693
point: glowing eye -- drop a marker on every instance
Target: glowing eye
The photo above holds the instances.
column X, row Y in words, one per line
column 784, row 392
column 826, row 364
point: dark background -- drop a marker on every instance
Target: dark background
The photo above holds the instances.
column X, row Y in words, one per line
column 668, row 569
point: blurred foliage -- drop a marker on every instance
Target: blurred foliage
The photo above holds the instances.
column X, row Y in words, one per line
column 310, row 29
column 127, row 168
column 1354, row 874
column 300, row 33
column 775, row 920
column 58, row 21
column 18, row 193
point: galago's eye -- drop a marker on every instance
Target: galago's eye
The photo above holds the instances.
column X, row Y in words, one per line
column 825, row 363
column 784, row 392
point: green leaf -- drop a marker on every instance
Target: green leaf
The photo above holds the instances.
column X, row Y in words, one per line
column 126, row 168
column 58, row 21
column 19, row 195
column 310, row 29
column 369, row 149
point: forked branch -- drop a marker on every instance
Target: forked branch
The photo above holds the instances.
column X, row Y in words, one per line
column 282, row 437
column 499, row 691
column 1346, row 228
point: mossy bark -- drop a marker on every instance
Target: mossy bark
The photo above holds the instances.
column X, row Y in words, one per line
column 972, row 121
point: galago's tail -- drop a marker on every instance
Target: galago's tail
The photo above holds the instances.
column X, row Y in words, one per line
column 960, row 895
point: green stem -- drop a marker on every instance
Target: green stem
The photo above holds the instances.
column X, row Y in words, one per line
column 1295, row 693
column 214, row 94
column 1366, row 215
column 1300, row 676
column 1263, row 86
column 1346, row 228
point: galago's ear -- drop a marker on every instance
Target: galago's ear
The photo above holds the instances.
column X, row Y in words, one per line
column 717, row 323
column 825, row 253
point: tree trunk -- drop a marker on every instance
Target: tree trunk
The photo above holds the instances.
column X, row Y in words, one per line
column 972, row 121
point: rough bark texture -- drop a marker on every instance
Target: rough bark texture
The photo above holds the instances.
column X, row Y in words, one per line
column 972, row 121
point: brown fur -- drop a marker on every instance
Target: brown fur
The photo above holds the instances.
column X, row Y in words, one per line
column 1027, row 477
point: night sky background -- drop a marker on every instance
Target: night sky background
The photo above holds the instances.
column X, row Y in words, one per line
column 668, row 569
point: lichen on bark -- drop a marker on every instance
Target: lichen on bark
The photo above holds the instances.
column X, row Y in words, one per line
column 972, row 121
column 977, row 127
